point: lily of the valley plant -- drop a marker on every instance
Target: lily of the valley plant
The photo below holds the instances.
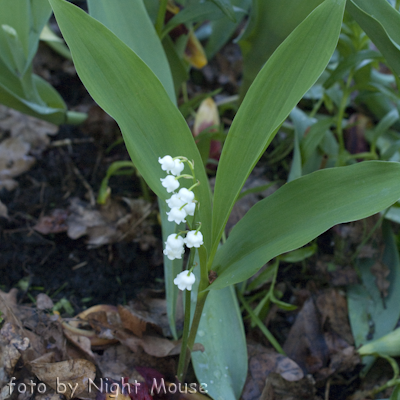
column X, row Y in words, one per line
column 140, row 96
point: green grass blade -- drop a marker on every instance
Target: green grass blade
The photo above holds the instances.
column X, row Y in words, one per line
column 300, row 211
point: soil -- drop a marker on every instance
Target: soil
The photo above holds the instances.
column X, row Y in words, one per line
column 54, row 263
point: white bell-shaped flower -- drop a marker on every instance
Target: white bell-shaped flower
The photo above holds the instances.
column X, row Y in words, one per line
column 167, row 163
column 186, row 195
column 194, row 239
column 175, row 201
column 177, row 215
column 189, row 208
column 174, row 247
column 184, row 280
column 177, row 168
column 170, row 183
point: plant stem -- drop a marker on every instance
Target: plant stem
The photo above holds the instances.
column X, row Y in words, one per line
column 340, row 117
column 185, row 351
column 184, row 357
column 161, row 17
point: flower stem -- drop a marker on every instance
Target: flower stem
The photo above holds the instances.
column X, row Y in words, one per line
column 184, row 357
column 185, row 351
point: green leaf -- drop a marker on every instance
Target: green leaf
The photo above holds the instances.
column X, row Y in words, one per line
column 221, row 368
column 380, row 21
column 271, row 22
column 300, row 211
column 372, row 316
column 125, row 87
column 28, row 18
column 222, row 29
column 130, row 22
column 288, row 74
column 226, row 7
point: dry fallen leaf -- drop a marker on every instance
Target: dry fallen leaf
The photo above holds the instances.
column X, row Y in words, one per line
column 263, row 362
column 332, row 306
column 111, row 223
column 55, row 222
column 75, row 375
column 305, row 343
column 30, row 130
column 14, row 161
column 278, row 388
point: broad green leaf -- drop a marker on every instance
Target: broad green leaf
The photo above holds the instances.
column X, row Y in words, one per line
column 221, row 367
column 270, row 24
column 300, row 211
column 125, row 87
column 289, row 73
column 130, row 22
column 380, row 21
column 372, row 316
column 27, row 17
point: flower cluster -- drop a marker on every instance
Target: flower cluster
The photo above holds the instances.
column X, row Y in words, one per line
column 181, row 204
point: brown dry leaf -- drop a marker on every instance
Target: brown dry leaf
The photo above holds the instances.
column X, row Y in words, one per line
column 134, row 323
column 111, row 223
column 51, row 395
column 381, row 272
column 11, row 346
column 277, row 388
column 14, row 161
column 152, row 345
column 44, row 302
column 56, row 222
column 118, row 360
column 8, row 303
column 74, row 374
column 263, row 362
column 332, row 306
column 305, row 343
column 95, row 323
column 148, row 310
column 32, row 131
column 82, row 342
